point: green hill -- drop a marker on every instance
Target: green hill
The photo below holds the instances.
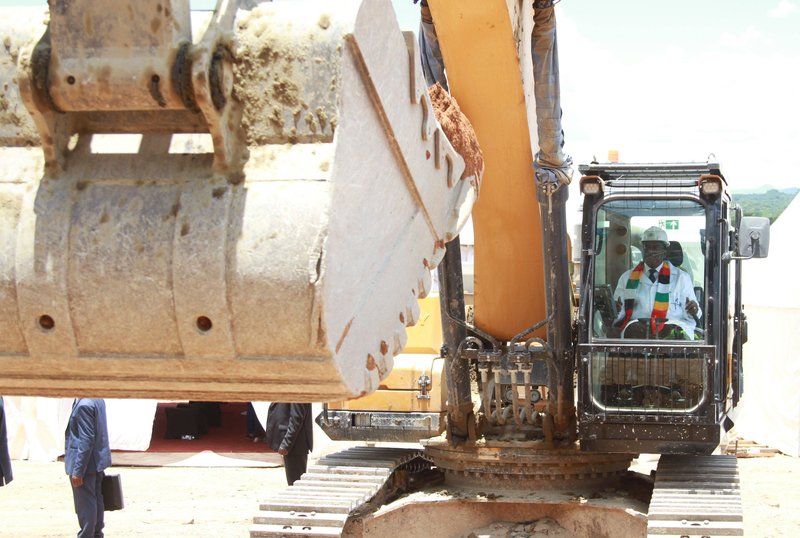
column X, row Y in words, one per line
column 768, row 204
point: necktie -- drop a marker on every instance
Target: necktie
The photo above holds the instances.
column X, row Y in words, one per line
column 652, row 275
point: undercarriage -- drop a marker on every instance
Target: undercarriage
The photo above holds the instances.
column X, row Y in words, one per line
column 385, row 491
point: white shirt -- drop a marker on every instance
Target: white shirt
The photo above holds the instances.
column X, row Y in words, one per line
column 680, row 288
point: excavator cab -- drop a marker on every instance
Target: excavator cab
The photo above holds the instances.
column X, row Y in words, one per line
column 656, row 374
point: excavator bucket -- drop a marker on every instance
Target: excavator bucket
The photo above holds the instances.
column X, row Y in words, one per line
column 243, row 207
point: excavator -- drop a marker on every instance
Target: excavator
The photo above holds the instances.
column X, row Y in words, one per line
column 248, row 204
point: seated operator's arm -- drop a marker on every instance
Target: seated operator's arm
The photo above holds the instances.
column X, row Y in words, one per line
column 685, row 290
column 619, row 295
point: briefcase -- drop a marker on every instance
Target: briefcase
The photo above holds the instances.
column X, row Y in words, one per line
column 112, row 492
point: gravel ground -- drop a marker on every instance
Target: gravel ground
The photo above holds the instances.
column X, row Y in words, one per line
column 220, row 502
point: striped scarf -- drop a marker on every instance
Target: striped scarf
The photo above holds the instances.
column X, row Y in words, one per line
column 661, row 303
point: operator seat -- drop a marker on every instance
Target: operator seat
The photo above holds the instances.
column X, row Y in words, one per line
column 675, row 254
column 675, row 257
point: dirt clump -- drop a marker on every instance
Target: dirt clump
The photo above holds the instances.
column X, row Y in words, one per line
column 280, row 89
column 526, row 529
column 458, row 130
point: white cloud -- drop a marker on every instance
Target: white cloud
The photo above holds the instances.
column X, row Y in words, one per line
column 748, row 37
column 783, row 9
column 734, row 97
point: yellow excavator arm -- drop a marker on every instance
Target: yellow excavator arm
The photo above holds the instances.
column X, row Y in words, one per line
column 484, row 71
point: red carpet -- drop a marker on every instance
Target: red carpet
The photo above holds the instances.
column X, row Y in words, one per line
column 230, row 436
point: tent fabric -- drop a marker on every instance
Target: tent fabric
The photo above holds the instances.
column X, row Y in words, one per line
column 36, row 425
column 767, row 281
column 770, row 410
column 130, row 423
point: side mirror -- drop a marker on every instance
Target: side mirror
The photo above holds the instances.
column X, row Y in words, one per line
column 753, row 234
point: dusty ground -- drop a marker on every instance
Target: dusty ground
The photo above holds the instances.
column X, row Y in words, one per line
column 220, row 502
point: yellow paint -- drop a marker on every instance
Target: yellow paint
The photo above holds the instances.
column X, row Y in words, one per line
column 480, row 56
column 426, row 335
column 399, row 391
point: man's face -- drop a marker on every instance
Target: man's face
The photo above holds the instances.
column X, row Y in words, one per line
column 654, row 253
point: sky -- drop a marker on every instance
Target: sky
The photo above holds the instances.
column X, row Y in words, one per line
column 674, row 81
column 679, row 81
column 683, row 79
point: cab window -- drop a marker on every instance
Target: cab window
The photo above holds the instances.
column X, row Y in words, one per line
column 619, row 251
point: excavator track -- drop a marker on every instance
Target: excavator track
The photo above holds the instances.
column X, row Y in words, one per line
column 696, row 496
column 320, row 503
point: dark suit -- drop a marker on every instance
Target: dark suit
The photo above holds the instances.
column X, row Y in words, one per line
column 290, row 428
column 5, row 460
column 86, row 456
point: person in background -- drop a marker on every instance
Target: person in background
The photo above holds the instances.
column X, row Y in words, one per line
column 254, row 429
column 86, row 456
column 5, row 461
column 655, row 298
column 290, row 434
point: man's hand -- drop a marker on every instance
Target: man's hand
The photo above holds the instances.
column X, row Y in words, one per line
column 282, row 451
column 619, row 304
column 691, row 307
column 77, row 481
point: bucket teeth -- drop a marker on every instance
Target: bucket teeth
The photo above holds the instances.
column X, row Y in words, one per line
column 424, row 284
column 412, row 312
column 399, row 338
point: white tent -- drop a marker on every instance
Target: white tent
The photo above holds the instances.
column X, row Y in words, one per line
column 36, row 425
column 771, row 295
